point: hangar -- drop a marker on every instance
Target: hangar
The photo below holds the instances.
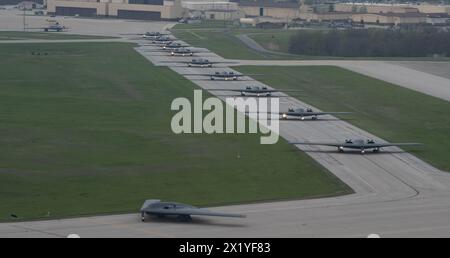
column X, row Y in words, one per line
column 124, row 9
column 270, row 8
column 390, row 18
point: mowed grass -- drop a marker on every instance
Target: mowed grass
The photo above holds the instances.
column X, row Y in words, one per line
column 225, row 42
column 392, row 112
column 21, row 35
column 86, row 130
column 220, row 41
column 275, row 40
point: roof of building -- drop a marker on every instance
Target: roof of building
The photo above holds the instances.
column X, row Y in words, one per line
column 268, row 3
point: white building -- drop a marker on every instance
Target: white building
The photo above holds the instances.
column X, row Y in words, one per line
column 212, row 10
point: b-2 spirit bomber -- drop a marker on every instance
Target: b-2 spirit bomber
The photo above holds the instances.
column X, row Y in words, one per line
column 358, row 144
column 182, row 212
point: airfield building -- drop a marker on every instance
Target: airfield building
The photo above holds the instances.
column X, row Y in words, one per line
column 212, row 10
column 273, row 11
column 391, row 8
column 125, row 9
column 390, row 18
column 269, row 8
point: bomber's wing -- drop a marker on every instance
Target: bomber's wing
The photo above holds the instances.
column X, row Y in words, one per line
column 155, row 50
column 222, row 62
column 36, row 28
column 198, row 212
column 148, row 203
column 284, row 90
column 332, row 144
column 176, row 62
column 381, row 145
column 235, row 90
column 322, row 113
column 230, row 75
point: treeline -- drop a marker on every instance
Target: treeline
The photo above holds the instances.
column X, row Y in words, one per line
column 371, row 43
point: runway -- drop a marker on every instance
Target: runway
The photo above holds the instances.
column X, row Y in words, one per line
column 397, row 195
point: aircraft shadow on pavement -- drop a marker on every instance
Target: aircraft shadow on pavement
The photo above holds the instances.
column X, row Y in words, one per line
column 196, row 221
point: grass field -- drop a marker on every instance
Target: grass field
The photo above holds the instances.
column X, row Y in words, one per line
column 224, row 41
column 273, row 40
column 20, row 35
column 86, row 130
column 391, row 112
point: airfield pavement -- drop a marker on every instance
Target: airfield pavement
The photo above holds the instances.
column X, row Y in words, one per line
column 396, row 194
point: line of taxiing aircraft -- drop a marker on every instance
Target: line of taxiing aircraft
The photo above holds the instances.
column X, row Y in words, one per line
column 184, row 211
column 166, row 42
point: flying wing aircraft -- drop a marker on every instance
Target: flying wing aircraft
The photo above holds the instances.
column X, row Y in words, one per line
column 358, row 144
column 174, row 45
column 184, row 52
column 224, row 75
column 152, row 34
column 147, row 35
column 200, row 62
column 181, row 211
column 166, row 46
column 164, row 39
column 53, row 26
column 307, row 112
column 255, row 90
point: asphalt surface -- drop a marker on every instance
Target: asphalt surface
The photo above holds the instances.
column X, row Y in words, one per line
column 13, row 21
column 396, row 194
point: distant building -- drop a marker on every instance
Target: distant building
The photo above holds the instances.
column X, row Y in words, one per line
column 125, row 9
column 374, row 8
column 29, row 5
column 323, row 13
column 326, row 17
column 212, row 10
column 270, row 8
column 390, row 18
column 438, row 19
column 433, row 9
column 391, row 8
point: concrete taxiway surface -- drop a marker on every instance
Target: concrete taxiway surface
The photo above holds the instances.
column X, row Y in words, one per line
column 28, row 41
column 12, row 20
column 396, row 194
